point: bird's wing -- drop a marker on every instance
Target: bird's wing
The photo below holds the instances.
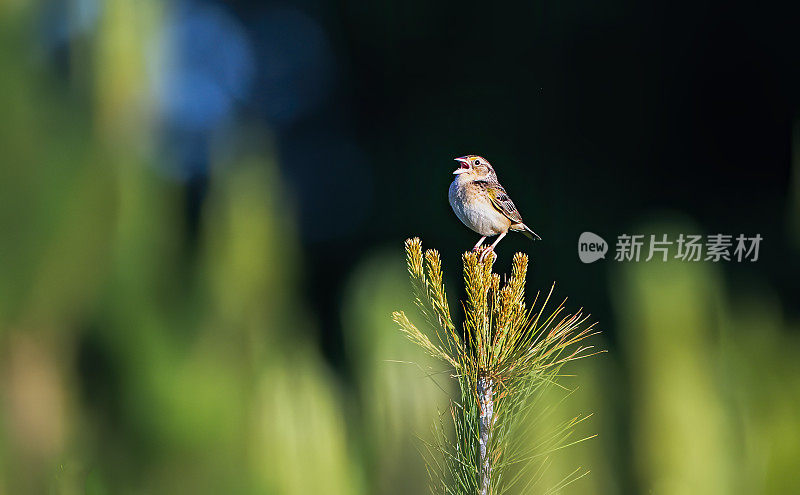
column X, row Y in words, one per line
column 502, row 202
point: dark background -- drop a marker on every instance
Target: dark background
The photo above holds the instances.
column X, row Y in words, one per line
column 596, row 116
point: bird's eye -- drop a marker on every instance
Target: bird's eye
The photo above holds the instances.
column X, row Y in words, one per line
column 477, row 162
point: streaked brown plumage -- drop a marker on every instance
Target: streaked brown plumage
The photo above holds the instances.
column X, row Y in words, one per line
column 482, row 204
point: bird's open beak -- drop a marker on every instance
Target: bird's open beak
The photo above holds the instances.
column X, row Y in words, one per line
column 464, row 167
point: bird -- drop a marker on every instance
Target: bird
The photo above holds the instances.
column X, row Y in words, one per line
column 482, row 204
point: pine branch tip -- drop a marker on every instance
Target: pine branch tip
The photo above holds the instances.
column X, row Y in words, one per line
column 503, row 357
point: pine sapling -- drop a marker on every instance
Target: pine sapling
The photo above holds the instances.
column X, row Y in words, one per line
column 504, row 357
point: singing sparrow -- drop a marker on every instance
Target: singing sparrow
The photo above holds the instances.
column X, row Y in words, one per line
column 482, row 204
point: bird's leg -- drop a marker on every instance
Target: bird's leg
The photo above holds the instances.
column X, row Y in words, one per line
column 478, row 245
column 498, row 240
column 491, row 248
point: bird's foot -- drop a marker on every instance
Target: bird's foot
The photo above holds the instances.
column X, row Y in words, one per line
column 485, row 253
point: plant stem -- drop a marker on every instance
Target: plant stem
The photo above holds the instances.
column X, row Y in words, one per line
column 486, row 397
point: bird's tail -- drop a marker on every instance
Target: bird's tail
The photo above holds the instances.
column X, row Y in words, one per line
column 521, row 227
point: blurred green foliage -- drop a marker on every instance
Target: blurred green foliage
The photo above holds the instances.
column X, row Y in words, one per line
column 132, row 363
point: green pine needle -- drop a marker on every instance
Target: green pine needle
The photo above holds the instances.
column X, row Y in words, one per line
column 516, row 350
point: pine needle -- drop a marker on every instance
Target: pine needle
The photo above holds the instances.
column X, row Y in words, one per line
column 505, row 357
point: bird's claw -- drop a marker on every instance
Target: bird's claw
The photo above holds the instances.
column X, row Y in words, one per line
column 485, row 253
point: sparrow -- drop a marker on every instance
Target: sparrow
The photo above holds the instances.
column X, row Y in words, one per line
column 482, row 204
